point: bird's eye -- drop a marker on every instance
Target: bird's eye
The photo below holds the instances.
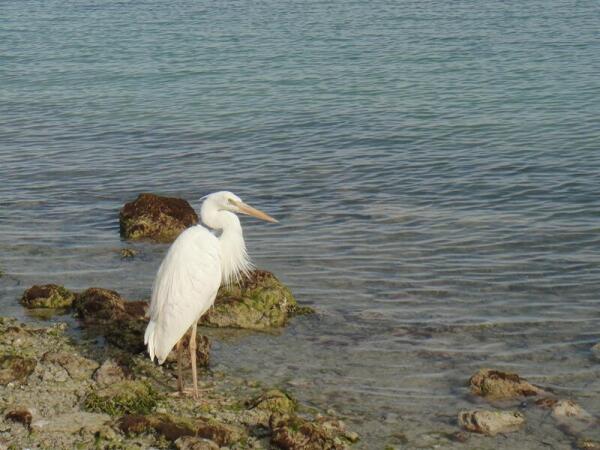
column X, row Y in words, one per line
column 231, row 201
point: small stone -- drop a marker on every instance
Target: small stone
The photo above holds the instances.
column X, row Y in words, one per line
column 47, row 296
column 128, row 253
column 20, row 415
column 15, row 368
column 587, row 444
column 160, row 219
column 490, row 422
column 498, row 385
column 352, row 436
column 194, row 443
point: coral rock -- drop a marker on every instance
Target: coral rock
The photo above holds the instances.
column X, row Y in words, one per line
column 111, row 372
column 15, row 368
column 490, row 422
column 498, row 385
column 260, row 301
column 126, row 397
column 296, row 433
column 194, row 443
column 47, row 296
column 78, row 367
column 157, row 218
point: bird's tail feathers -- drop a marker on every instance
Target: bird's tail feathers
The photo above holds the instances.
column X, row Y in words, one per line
column 149, row 339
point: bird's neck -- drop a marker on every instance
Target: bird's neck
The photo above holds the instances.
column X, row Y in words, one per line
column 235, row 262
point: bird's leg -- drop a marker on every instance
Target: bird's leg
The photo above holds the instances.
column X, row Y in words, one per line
column 193, row 358
column 180, row 365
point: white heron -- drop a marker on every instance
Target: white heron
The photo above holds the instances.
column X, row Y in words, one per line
column 190, row 275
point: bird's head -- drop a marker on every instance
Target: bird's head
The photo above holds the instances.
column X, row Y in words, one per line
column 228, row 201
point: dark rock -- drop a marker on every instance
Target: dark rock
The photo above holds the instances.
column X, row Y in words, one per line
column 498, row 385
column 20, row 415
column 157, row 218
column 128, row 253
column 126, row 397
column 15, row 368
column 260, row 301
column 47, row 296
column 490, row 422
column 97, row 304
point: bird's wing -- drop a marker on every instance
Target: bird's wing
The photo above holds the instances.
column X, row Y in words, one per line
column 185, row 288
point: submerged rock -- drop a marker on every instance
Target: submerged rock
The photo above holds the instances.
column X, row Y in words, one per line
column 498, row 385
column 490, row 422
column 157, row 218
column 126, row 397
column 14, row 368
column 571, row 418
column 260, row 301
column 47, row 296
column 128, row 253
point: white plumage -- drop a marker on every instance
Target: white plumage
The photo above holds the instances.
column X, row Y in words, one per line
column 192, row 271
column 185, row 288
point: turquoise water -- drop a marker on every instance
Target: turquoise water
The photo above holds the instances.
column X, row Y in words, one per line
column 434, row 165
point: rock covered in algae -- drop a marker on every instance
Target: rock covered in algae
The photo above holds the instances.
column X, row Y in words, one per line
column 258, row 302
column 175, row 427
column 498, row 385
column 290, row 432
column 195, row 443
column 78, row 367
column 15, row 368
column 273, row 401
column 125, row 397
column 157, row 218
column 47, row 296
column 490, row 422
column 123, row 323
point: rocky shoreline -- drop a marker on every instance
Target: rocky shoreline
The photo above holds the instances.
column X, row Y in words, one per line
column 63, row 393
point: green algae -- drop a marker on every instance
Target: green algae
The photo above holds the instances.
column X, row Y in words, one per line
column 126, row 397
column 50, row 296
column 274, row 401
column 258, row 302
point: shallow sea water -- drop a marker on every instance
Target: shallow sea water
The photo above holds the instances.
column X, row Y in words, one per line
column 434, row 165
